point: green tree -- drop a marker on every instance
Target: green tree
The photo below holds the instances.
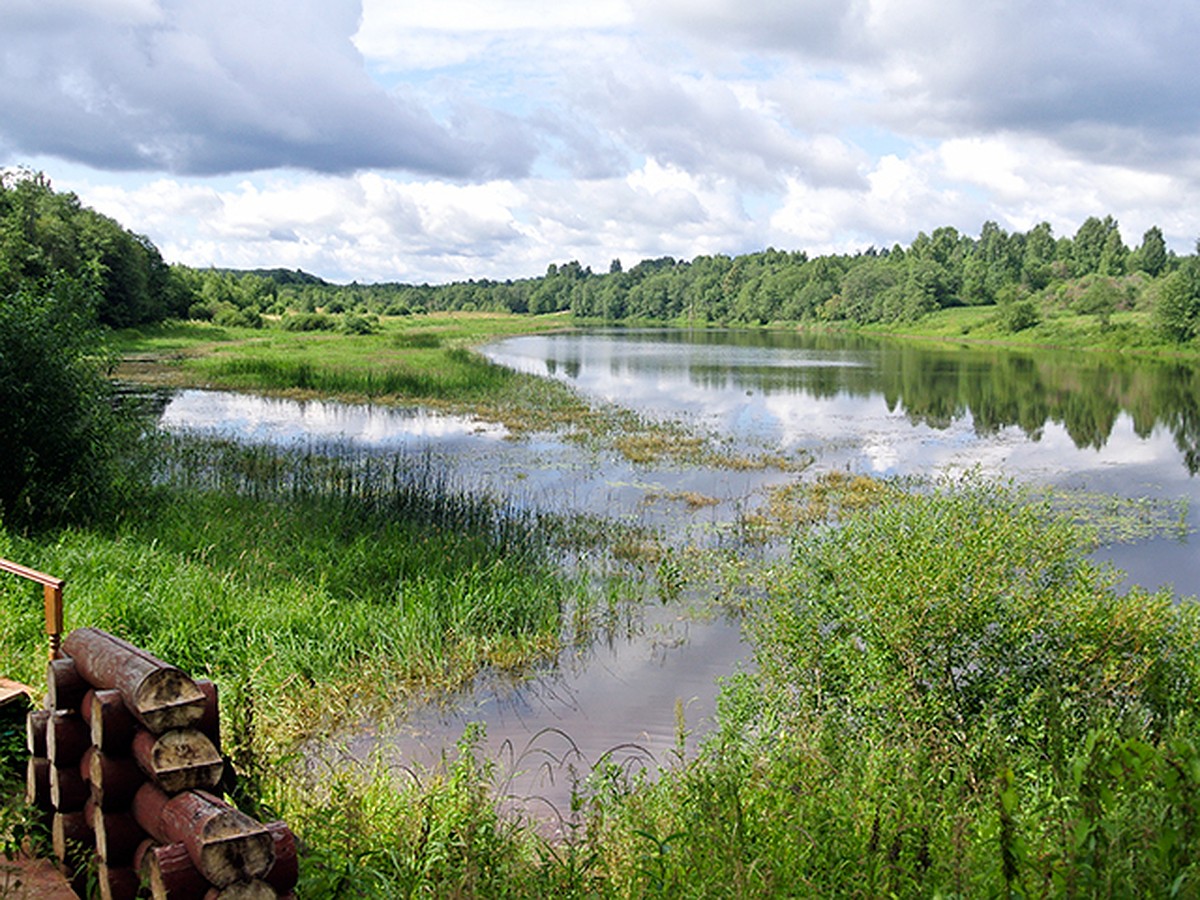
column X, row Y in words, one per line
column 1152, row 254
column 60, row 436
column 1090, row 241
column 1176, row 312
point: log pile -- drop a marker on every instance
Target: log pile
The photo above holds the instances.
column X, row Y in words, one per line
column 126, row 764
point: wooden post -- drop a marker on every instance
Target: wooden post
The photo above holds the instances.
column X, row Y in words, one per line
column 170, row 873
column 112, row 724
column 65, row 687
column 115, row 779
column 52, row 592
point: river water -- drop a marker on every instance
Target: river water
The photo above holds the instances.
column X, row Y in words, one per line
column 1086, row 422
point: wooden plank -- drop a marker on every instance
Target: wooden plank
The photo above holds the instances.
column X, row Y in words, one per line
column 14, row 692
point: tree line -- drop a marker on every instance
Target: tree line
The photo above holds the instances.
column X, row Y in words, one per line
column 47, row 235
column 1023, row 275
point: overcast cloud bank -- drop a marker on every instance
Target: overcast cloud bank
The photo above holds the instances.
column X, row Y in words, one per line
column 379, row 141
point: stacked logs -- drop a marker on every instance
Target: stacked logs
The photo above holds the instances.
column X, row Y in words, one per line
column 126, row 763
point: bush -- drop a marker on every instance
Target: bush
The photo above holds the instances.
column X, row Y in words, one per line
column 229, row 316
column 60, row 435
column 356, row 324
column 308, row 322
column 1018, row 315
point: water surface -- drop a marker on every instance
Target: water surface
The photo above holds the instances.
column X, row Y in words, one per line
column 1091, row 423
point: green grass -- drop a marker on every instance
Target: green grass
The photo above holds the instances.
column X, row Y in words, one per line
column 1126, row 332
column 276, row 572
column 949, row 700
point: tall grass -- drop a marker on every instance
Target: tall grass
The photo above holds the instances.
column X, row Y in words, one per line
column 950, row 700
column 282, row 571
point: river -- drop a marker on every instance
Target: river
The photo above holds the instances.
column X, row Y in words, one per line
column 1089, row 423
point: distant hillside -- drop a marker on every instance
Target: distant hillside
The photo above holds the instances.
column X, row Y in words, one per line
column 281, row 277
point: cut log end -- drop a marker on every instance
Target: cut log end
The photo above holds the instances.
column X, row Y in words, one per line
column 255, row 889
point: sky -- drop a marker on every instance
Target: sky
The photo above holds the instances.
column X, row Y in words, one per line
column 380, row 140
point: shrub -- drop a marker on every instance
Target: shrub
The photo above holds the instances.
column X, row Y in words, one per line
column 60, row 435
column 308, row 322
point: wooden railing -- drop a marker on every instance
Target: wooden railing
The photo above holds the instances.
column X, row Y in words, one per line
column 52, row 590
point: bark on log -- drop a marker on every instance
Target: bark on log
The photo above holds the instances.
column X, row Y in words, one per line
column 210, row 723
column 112, row 724
column 160, row 696
column 286, row 871
column 67, row 739
column 35, row 731
column 37, row 782
column 148, row 805
column 243, row 890
column 117, row 837
column 225, row 844
column 120, row 883
column 170, row 874
column 68, row 791
column 178, row 760
column 70, row 834
column 114, row 779
column 65, row 685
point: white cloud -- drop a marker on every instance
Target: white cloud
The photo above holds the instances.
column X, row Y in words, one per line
column 380, row 140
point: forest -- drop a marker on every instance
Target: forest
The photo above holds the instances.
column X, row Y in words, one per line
column 1022, row 275
column 48, row 236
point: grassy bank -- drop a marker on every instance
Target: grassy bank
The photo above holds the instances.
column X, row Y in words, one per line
column 422, row 361
column 311, row 588
column 411, row 360
column 1129, row 332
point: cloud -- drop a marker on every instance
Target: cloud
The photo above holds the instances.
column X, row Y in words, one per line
column 224, row 86
column 1111, row 80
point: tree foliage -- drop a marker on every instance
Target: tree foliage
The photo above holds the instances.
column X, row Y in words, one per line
column 60, row 435
column 45, row 235
column 1026, row 277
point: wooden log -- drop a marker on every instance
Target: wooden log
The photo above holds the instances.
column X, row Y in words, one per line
column 37, row 782
column 65, row 685
column 36, row 721
column 117, row 837
column 225, row 844
column 149, row 804
column 114, row 779
column 68, row 791
column 286, row 871
column 67, row 739
column 119, row 883
column 158, row 695
column 170, row 874
column 113, row 725
column 178, row 760
column 70, row 836
column 243, row 890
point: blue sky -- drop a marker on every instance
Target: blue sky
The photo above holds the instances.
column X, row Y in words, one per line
column 381, row 140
